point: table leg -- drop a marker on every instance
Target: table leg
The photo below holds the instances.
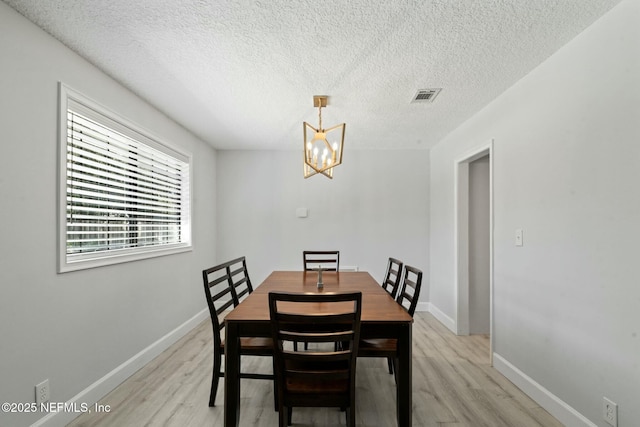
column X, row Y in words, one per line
column 232, row 376
column 404, row 386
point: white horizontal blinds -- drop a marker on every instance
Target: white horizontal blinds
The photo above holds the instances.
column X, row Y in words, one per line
column 121, row 193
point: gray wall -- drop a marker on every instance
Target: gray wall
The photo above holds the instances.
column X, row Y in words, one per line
column 75, row 328
column 566, row 170
column 376, row 206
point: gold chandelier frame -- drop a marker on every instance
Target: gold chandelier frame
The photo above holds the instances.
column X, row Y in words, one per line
column 316, row 162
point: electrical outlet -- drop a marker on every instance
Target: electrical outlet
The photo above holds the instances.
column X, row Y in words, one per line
column 42, row 392
column 610, row 412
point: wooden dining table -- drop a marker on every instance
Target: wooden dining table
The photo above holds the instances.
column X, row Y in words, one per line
column 382, row 317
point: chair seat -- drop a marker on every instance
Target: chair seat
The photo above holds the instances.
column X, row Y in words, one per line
column 378, row 347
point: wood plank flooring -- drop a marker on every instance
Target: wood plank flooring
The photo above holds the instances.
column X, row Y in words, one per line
column 453, row 386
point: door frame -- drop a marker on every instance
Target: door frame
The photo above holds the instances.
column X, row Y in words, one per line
column 461, row 239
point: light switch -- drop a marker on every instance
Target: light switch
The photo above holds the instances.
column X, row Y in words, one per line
column 519, row 241
column 302, row 212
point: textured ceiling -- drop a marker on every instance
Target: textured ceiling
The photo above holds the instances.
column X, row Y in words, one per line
column 242, row 73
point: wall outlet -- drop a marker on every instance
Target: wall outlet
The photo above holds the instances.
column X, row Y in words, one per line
column 42, row 392
column 610, row 412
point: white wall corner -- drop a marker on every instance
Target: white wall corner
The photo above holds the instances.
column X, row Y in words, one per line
column 423, row 306
column 447, row 321
column 106, row 384
column 550, row 402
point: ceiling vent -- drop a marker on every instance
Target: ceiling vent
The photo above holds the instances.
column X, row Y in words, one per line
column 425, row 95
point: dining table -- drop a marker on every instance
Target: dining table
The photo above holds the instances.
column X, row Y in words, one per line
column 381, row 317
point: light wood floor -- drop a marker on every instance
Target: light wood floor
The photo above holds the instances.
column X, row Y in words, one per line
column 453, row 386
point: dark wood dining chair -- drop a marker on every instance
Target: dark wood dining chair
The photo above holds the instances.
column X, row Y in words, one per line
column 392, row 277
column 239, row 278
column 407, row 298
column 220, row 291
column 410, row 291
column 327, row 260
column 324, row 376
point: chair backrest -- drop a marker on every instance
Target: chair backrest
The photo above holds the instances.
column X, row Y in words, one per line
column 220, row 297
column 410, row 290
column 239, row 278
column 294, row 318
column 327, row 260
column 392, row 277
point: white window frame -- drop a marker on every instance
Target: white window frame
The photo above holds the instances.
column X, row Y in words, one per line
column 72, row 262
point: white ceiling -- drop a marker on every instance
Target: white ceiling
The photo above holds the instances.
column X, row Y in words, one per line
column 242, row 73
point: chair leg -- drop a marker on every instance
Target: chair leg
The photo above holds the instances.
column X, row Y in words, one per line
column 351, row 417
column 289, row 413
column 282, row 416
column 390, row 363
column 394, row 362
column 276, row 401
column 217, row 361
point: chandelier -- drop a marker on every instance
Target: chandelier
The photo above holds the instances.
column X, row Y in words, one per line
column 320, row 155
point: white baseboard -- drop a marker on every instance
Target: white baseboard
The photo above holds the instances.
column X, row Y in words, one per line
column 447, row 321
column 106, row 384
column 550, row 402
column 423, row 306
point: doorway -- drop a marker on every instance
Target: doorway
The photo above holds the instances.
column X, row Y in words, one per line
column 474, row 243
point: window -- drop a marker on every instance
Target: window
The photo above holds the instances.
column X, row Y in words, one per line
column 123, row 194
